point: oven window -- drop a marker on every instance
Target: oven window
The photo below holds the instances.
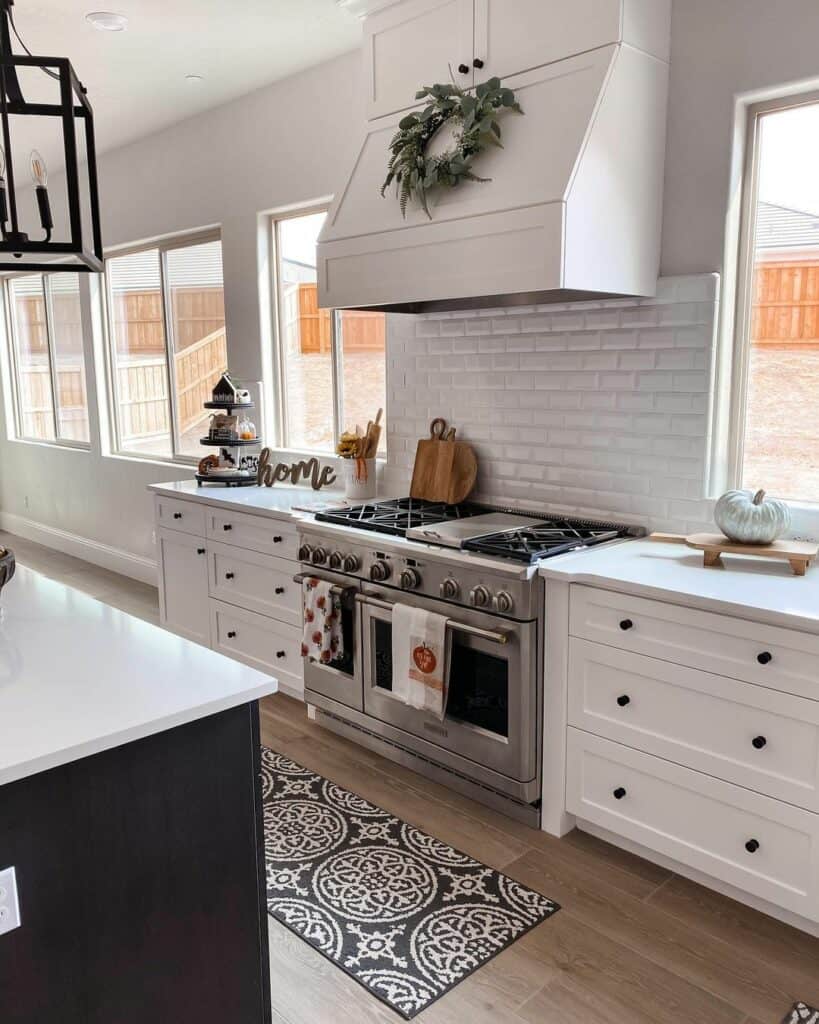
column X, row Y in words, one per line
column 346, row 663
column 478, row 682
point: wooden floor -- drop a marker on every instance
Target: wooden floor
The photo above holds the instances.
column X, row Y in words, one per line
column 633, row 944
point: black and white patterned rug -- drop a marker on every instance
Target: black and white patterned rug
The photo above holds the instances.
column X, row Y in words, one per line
column 401, row 912
column 802, row 1014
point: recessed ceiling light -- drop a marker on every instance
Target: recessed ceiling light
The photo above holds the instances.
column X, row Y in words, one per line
column 107, row 21
column 194, row 79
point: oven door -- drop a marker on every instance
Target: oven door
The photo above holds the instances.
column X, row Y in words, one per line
column 340, row 680
column 491, row 716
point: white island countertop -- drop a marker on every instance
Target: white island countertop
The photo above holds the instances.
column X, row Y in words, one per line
column 78, row 677
column 278, row 502
column 759, row 589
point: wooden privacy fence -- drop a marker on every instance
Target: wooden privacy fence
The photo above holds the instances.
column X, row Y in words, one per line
column 786, row 303
column 35, row 402
column 308, row 329
column 138, row 325
column 142, row 388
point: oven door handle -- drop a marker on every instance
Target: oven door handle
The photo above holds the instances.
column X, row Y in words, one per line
column 460, row 627
column 300, row 577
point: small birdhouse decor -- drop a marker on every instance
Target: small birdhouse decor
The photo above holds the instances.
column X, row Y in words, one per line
column 226, row 392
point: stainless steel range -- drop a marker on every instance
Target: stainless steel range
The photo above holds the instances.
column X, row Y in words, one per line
column 478, row 567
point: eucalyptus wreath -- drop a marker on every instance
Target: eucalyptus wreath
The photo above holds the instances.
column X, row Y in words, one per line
column 415, row 174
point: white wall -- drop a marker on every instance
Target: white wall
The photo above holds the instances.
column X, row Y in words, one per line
column 289, row 143
column 293, row 142
column 721, row 49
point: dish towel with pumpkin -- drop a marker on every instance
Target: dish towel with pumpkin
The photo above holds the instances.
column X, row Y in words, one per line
column 323, row 639
column 419, row 659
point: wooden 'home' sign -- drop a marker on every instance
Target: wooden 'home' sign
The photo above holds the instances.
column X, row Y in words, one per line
column 319, row 476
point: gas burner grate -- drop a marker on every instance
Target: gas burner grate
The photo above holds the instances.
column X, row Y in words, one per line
column 554, row 537
column 398, row 515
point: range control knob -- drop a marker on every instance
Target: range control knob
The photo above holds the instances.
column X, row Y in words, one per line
column 450, row 589
column 336, row 559
column 352, row 563
column 319, row 556
column 410, row 579
column 305, row 551
column 480, row 596
column 504, row 602
column 380, row 571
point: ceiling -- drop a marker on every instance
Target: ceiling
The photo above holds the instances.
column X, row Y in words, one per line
column 136, row 79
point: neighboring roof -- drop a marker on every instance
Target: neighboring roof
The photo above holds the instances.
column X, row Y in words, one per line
column 781, row 227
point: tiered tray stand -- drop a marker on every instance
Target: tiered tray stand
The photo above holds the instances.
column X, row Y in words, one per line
column 232, row 447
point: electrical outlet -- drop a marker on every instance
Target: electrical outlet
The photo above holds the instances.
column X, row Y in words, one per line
column 9, row 903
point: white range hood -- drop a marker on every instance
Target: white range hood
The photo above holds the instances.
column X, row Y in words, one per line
column 573, row 210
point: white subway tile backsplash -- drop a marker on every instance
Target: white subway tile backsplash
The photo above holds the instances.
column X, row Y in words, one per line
column 596, row 408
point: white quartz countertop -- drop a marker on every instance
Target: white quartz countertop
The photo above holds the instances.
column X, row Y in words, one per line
column 759, row 589
column 78, row 677
column 277, row 502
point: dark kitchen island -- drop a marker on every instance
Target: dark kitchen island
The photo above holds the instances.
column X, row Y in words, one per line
column 130, row 809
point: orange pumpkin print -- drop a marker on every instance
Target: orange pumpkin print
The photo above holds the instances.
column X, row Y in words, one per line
column 424, row 658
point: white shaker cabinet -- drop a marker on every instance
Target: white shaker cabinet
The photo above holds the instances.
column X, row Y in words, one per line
column 413, row 44
column 183, row 589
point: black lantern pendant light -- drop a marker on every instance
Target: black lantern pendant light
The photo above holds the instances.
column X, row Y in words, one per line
column 22, row 246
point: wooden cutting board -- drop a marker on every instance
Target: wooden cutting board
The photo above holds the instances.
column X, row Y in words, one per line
column 445, row 469
column 799, row 554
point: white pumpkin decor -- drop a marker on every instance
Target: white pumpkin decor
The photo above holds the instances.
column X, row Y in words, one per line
column 751, row 518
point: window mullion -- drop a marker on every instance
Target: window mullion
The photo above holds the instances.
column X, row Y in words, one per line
column 52, row 363
column 170, row 363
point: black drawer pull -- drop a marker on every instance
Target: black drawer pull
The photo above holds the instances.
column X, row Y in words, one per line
column 619, row 793
column 200, row 551
column 227, row 526
column 281, row 654
column 177, row 515
column 752, row 845
column 626, row 624
column 277, row 540
column 231, row 634
column 759, row 742
column 279, row 590
column 477, row 63
column 624, row 701
column 228, row 575
column 464, row 69
column 764, row 658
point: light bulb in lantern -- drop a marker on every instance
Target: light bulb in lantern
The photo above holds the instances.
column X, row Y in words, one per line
column 2, row 164
column 39, row 171
column 4, row 208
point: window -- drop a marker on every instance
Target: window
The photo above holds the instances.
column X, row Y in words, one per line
column 776, row 395
column 166, row 327
column 51, row 403
column 332, row 362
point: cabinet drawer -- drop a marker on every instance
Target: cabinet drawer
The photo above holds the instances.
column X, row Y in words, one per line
column 257, row 533
column 750, row 735
column 260, row 583
column 187, row 516
column 270, row 646
column 759, row 845
column 782, row 659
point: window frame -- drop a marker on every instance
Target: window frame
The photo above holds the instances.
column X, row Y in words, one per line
column 163, row 245
column 13, row 354
column 743, row 311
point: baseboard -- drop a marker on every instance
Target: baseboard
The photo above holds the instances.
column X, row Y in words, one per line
column 115, row 559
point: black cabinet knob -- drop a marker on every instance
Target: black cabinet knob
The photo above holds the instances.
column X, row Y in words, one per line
column 279, row 590
column 477, row 63
column 624, row 700
column 277, row 540
column 200, row 551
column 764, row 658
column 227, row 526
column 752, row 845
column 281, row 654
column 464, row 69
column 626, row 624
column 177, row 515
column 228, row 575
column 759, row 742
column 619, row 793
column 231, row 634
